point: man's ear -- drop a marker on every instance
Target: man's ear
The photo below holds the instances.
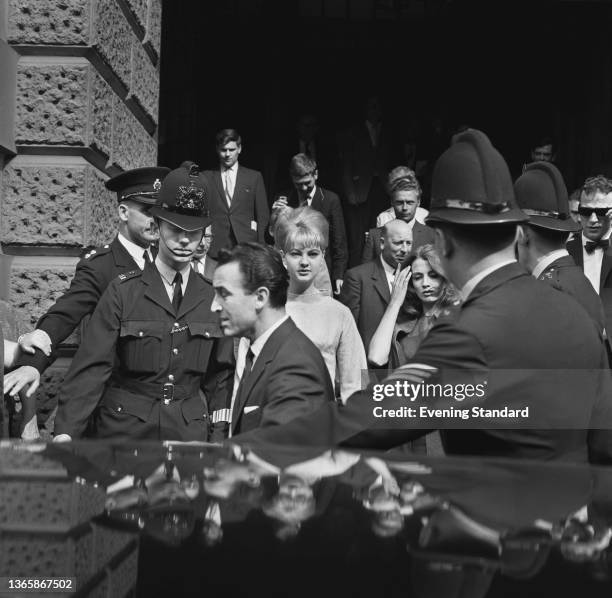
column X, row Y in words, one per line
column 262, row 295
column 123, row 212
column 315, row 174
column 444, row 243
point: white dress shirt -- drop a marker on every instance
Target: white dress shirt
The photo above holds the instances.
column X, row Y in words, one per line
column 228, row 177
column 592, row 262
column 310, row 197
column 168, row 274
column 136, row 251
column 547, row 260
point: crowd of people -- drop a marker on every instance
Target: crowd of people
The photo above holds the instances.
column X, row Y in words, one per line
column 216, row 314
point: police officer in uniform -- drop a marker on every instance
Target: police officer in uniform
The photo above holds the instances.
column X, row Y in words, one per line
column 153, row 340
column 136, row 193
column 542, row 195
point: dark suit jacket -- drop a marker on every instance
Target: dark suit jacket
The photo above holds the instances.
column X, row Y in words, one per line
column 421, row 235
column 289, row 378
column 574, row 247
column 93, row 274
column 532, row 345
column 328, row 203
column 248, row 210
column 361, row 161
column 365, row 292
column 563, row 274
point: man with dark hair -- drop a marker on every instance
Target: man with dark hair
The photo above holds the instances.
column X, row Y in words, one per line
column 151, row 344
column 525, row 343
column 283, row 372
column 405, row 195
column 304, row 175
column 238, row 202
column 542, row 195
column 591, row 250
column 543, row 149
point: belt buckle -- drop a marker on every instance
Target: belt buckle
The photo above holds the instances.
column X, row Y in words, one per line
column 168, row 392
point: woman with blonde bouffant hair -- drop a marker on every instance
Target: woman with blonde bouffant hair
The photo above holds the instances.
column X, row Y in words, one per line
column 301, row 235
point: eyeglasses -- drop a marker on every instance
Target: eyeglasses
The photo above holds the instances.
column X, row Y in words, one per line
column 599, row 212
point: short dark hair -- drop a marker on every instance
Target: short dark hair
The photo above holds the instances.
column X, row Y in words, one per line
column 485, row 238
column 597, row 183
column 540, row 140
column 226, row 136
column 260, row 266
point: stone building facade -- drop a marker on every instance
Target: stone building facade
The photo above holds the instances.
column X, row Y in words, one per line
column 79, row 87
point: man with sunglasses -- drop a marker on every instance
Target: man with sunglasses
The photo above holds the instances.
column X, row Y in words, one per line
column 591, row 250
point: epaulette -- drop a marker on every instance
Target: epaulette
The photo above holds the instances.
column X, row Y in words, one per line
column 129, row 275
column 97, row 251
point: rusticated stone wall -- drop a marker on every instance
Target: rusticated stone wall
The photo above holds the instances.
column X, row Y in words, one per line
column 85, row 95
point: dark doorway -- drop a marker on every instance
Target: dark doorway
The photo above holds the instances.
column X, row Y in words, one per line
column 513, row 69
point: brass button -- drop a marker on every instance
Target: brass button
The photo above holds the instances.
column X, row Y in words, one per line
column 119, row 408
column 176, row 324
column 166, row 401
column 171, row 377
column 175, row 351
column 207, row 334
column 140, row 333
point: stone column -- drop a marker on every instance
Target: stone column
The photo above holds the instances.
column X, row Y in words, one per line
column 84, row 92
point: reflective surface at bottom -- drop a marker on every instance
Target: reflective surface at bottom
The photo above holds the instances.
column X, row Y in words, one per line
column 188, row 520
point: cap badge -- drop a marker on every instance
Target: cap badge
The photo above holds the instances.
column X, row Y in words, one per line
column 157, row 185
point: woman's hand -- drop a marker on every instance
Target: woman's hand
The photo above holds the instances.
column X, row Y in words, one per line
column 400, row 285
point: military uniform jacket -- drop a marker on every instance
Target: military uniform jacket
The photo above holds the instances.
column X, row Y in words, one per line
column 93, row 274
column 142, row 363
column 563, row 274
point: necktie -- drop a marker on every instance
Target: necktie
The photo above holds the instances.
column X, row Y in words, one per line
column 177, row 295
column 227, row 186
column 591, row 246
column 147, row 258
column 248, row 366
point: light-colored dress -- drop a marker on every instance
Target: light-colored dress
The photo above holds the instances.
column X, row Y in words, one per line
column 331, row 327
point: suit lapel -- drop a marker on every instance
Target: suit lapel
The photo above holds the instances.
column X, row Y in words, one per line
column 121, row 256
column 606, row 266
column 317, row 200
column 380, row 283
column 574, row 248
column 155, row 289
column 219, row 184
column 265, row 356
column 237, row 187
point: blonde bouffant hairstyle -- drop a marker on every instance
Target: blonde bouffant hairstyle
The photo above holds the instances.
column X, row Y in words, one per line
column 301, row 227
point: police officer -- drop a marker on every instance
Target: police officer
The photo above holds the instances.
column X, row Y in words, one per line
column 152, row 340
column 136, row 193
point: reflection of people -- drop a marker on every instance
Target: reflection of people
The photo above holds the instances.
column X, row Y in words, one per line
column 302, row 238
column 152, row 340
column 284, row 373
column 421, row 293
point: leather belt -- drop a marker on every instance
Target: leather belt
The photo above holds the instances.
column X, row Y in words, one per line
column 166, row 392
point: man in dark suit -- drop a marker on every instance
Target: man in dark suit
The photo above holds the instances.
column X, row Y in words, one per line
column 367, row 288
column 304, row 175
column 136, row 193
column 591, row 250
column 152, row 342
column 284, row 374
column 405, row 199
column 542, row 195
column 238, row 201
column 528, row 342
column 367, row 154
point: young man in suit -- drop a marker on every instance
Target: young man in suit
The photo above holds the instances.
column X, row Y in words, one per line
column 528, row 342
column 304, row 176
column 152, row 343
column 405, row 199
column 283, row 372
column 542, row 195
column 238, row 201
column 136, row 193
column 591, row 250
column 367, row 288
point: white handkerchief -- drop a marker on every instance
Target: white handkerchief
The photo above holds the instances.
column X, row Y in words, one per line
column 249, row 409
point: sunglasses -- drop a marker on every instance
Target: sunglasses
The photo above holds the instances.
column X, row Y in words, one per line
column 599, row 212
